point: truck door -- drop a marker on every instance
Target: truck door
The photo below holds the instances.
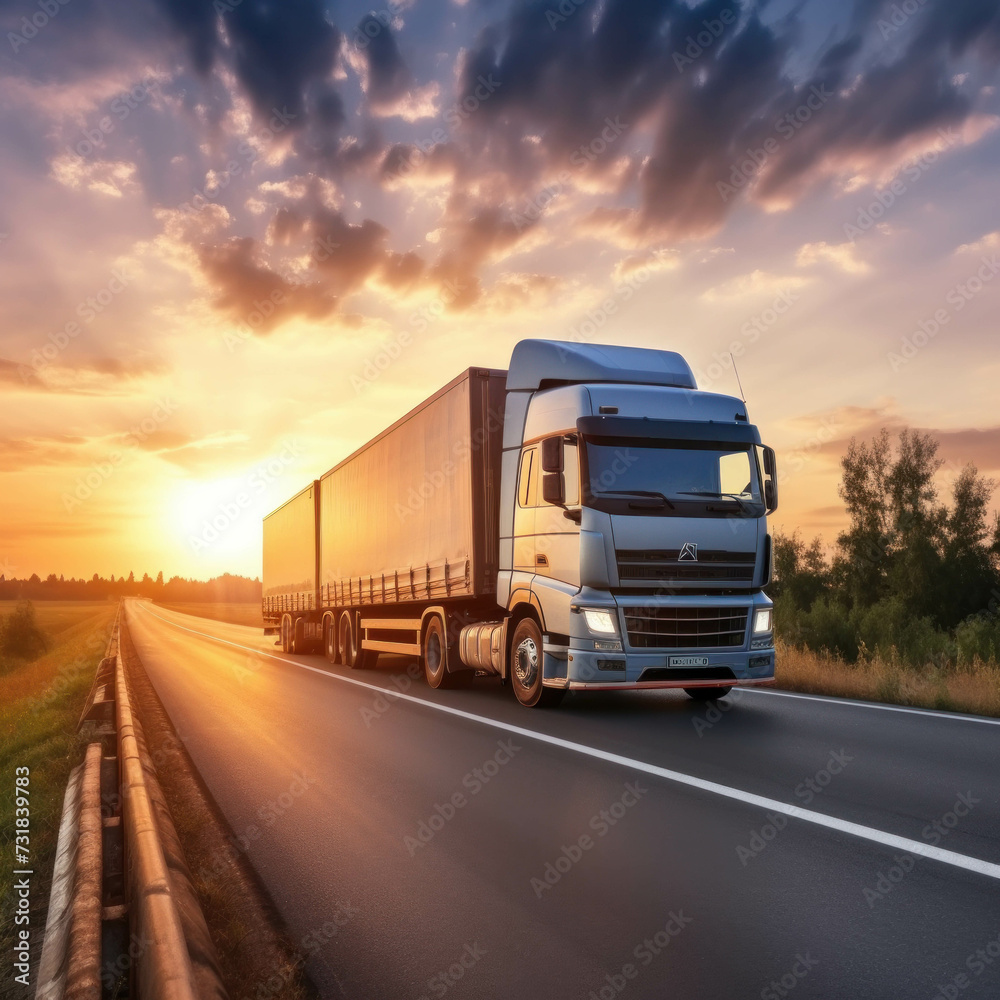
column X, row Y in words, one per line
column 524, row 520
column 557, row 545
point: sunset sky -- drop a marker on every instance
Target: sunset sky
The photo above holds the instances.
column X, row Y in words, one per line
column 237, row 239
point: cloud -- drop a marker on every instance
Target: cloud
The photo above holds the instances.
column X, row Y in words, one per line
column 251, row 292
column 843, row 256
column 756, row 283
column 991, row 241
column 113, row 178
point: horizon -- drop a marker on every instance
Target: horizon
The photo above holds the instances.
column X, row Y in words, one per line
column 223, row 274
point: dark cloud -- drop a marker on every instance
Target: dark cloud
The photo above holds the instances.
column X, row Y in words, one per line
column 388, row 76
column 279, row 51
column 713, row 85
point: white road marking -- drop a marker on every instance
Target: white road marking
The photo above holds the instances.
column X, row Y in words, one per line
column 920, row 848
column 870, row 704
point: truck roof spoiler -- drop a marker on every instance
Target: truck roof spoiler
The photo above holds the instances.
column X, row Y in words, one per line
column 535, row 364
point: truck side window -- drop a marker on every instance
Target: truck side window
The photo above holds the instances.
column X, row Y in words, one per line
column 571, row 472
column 525, row 486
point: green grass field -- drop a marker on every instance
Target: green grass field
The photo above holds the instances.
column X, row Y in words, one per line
column 235, row 614
column 40, row 704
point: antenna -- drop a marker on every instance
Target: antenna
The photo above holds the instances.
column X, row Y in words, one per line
column 739, row 383
column 737, row 371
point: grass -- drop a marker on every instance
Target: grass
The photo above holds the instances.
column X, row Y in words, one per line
column 235, row 614
column 973, row 689
column 40, row 705
column 54, row 617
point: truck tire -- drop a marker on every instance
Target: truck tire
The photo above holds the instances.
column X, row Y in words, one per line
column 434, row 655
column 354, row 656
column 298, row 637
column 707, row 693
column 331, row 647
column 526, row 661
column 286, row 633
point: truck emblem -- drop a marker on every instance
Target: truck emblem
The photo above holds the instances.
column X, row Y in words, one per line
column 689, row 552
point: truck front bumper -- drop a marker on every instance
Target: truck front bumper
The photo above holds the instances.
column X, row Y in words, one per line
column 589, row 663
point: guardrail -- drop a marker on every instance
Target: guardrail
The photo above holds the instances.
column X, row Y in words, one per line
column 123, row 920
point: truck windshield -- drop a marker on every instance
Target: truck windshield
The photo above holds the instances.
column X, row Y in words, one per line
column 644, row 474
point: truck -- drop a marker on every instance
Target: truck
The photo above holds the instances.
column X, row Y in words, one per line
column 588, row 520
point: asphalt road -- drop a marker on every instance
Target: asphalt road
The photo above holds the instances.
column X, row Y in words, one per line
column 633, row 844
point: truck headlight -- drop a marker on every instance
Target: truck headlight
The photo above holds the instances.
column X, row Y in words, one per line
column 762, row 621
column 601, row 622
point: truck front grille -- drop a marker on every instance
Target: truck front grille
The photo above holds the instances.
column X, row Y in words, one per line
column 685, row 628
column 663, row 566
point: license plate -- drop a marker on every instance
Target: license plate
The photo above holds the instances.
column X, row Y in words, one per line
column 687, row 661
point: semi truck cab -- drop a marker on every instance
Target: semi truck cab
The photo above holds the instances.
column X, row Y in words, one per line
column 633, row 523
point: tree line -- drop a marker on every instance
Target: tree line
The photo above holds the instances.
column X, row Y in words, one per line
column 220, row 589
column 913, row 578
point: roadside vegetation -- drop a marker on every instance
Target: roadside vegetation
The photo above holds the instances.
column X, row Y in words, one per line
column 41, row 697
column 907, row 607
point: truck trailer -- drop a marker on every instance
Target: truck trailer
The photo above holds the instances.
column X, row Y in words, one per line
column 586, row 520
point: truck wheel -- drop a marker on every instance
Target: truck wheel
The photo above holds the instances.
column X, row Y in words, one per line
column 299, row 644
column 435, row 655
column 354, row 656
column 707, row 693
column 526, row 657
column 286, row 634
column 330, row 645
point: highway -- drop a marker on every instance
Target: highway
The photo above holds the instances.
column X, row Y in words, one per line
column 633, row 844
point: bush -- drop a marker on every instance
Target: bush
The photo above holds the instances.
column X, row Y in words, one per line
column 827, row 626
column 19, row 635
column 889, row 629
column 978, row 637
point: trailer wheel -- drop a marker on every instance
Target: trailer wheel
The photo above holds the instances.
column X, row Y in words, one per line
column 330, row 645
column 353, row 655
column 707, row 693
column 299, row 644
column 526, row 661
column 434, row 654
column 286, row 633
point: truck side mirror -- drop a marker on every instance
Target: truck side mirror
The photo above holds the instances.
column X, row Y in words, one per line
column 771, row 483
column 552, row 454
column 553, row 488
